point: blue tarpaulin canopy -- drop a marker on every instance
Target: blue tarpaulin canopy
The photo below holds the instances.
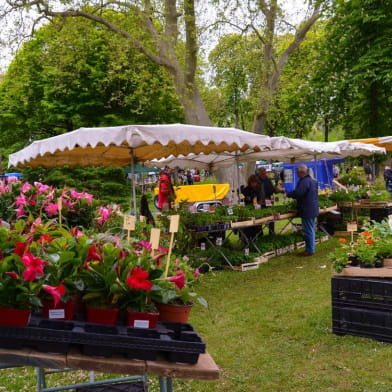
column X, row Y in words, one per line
column 323, row 168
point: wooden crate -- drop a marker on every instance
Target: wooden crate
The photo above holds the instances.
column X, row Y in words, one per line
column 343, row 233
column 375, row 204
column 252, row 265
column 385, row 272
column 269, row 255
column 300, row 244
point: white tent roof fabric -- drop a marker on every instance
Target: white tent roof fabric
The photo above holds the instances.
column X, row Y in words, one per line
column 185, row 145
column 282, row 149
column 115, row 145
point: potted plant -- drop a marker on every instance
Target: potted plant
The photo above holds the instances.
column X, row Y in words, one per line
column 101, row 280
column 366, row 251
column 138, row 273
column 21, row 276
column 176, row 295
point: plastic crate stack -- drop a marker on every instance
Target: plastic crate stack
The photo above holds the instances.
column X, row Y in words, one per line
column 362, row 307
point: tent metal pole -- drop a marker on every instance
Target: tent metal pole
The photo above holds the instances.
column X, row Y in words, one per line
column 238, row 177
column 315, row 167
column 133, row 181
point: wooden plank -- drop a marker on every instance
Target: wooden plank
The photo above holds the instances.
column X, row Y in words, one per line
column 114, row 364
column 328, row 209
column 27, row 357
column 204, row 369
column 266, row 219
column 242, row 224
column 385, row 272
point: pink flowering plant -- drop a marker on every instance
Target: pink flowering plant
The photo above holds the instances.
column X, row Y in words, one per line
column 21, row 200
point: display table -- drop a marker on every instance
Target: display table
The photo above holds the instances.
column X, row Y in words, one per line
column 204, row 369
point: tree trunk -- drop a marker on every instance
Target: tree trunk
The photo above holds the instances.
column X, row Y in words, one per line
column 326, row 129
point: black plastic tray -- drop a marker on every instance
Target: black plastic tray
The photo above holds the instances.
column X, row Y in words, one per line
column 179, row 342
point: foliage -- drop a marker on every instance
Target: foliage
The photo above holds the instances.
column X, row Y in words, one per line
column 75, row 74
column 378, row 195
column 343, row 196
column 353, row 71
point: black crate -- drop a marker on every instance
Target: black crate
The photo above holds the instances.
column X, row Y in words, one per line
column 374, row 324
column 378, row 214
column 370, row 293
column 138, row 386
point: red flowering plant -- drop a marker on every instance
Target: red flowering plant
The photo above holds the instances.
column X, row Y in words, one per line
column 365, row 249
column 140, row 270
column 21, row 270
column 178, row 287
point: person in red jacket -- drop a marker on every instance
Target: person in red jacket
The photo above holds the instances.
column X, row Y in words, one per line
column 166, row 191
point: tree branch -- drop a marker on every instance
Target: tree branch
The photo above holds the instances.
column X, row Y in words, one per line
column 298, row 39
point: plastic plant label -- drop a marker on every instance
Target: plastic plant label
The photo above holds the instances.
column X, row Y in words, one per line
column 141, row 324
column 206, row 207
column 56, row 313
column 142, row 218
column 174, row 222
column 154, row 238
column 129, row 222
column 268, row 203
column 229, row 211
column 246, row 251
column 352, row 226
column 219, row 241
column 203, row 246
column 60, row 203
column 257, row 206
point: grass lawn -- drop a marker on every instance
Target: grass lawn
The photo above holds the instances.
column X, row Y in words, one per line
column 270, row 330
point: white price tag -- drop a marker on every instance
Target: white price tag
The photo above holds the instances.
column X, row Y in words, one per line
column 174, row 222
column 154, row 238
column 129, row 222
column 352, row 226
column 268, row 203
column 60, row 203
column 257, row 206
column 229, row 211
column 203, row 246
column 141, row 324
column 246, row 251
column 219, row 241
column 56, row 313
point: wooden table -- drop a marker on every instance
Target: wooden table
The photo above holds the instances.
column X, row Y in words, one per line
column 204, row 369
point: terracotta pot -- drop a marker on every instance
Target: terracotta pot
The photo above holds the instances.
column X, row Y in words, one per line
column 174, row 313
column 142, row 319
column 15, row 317
column 63, row 310
column 101, row 315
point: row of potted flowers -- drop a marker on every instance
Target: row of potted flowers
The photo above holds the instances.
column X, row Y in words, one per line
column 45, row 265
column 369, row 249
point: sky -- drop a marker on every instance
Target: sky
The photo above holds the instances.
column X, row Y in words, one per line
column 294, row 9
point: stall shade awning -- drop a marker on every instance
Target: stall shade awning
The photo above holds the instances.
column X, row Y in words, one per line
column 382, row 141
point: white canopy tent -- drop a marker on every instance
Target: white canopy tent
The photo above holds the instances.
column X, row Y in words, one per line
column 128, row 144
column 282, row 149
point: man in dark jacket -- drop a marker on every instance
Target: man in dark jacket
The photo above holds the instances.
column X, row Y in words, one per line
column 306, row 194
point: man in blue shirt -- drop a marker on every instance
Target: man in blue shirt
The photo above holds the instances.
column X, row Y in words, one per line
column 306, row 195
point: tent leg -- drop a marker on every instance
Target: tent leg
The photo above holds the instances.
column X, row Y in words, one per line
column 133, row 182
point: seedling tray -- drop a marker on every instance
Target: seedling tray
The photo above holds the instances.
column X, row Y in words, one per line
column 179, row 342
